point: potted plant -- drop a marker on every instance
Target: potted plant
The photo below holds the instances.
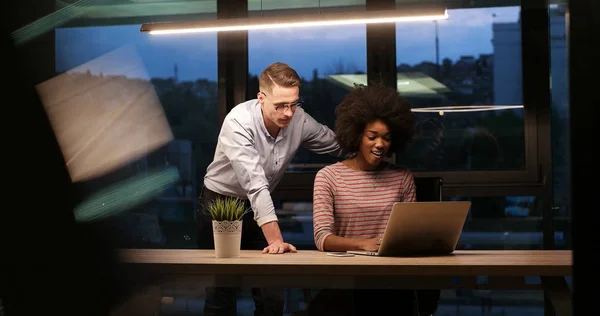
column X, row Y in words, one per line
column 227, row 214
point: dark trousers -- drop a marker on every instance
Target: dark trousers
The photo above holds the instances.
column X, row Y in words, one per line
column 221, row 300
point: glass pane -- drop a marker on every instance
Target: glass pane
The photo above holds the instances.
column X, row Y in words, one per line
column 296, row 223
column 560, row 120
column 465, row 302
column 260, row 5
column 450, row 4
column 181, row 299
column 317, row 54
column 141, row 11
column 511, row 222
column 181, row 71
column 463, row 78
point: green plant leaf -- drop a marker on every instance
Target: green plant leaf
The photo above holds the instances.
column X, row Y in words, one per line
column 227, row 209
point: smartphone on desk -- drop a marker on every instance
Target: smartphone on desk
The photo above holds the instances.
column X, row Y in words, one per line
column 340, row 254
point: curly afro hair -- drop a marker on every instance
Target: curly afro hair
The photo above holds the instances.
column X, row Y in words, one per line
column 367, row 104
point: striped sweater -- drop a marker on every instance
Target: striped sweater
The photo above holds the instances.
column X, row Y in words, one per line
column 356, row 204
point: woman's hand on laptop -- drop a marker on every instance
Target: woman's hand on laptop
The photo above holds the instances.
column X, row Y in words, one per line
column 370, row 244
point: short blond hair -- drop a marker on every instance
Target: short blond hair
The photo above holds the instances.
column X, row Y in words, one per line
column 280, row 74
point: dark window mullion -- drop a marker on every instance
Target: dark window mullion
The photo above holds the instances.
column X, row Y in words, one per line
column 232, row 58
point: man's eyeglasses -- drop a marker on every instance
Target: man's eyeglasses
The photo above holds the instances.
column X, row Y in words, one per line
column 283, row 107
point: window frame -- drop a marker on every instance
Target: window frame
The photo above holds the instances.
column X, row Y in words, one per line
column 534, row 179
column 381, row 61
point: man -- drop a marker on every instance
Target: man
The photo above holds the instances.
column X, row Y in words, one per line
column 257, row 141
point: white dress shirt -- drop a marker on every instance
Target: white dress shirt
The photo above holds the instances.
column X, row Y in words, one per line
column 249, row 163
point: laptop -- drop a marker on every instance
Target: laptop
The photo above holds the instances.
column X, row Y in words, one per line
column 422, row 229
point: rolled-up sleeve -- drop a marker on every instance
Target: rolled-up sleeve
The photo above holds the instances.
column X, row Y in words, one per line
column 238, row 145
column 319, row 138
column 323, row 218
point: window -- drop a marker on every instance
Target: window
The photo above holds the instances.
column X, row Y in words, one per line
column 319, row 55
column 505, row 222
column 182, row 72
column 296, row 223
column 122, row 12
column 463, row 77
column 560, row 119
column 260, row 5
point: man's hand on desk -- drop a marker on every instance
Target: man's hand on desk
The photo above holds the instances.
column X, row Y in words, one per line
column 279, row 246
column 275, row 240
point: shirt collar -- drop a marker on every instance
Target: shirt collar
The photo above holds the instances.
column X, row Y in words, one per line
column 261, row 122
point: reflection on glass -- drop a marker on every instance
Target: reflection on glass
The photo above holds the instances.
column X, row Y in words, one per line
column 463, row 78
column 261, row 5
column 485, row 140
column 511, row 222
column 182, row 71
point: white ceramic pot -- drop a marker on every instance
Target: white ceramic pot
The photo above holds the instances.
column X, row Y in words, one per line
column 228, row 238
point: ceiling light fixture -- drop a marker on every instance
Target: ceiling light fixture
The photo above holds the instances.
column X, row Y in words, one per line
column 466, row 108
column 289, row 21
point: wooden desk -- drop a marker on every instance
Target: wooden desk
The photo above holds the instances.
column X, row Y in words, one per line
column 506, row 269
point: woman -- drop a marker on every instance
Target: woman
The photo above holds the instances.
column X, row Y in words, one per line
column 353, row 198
